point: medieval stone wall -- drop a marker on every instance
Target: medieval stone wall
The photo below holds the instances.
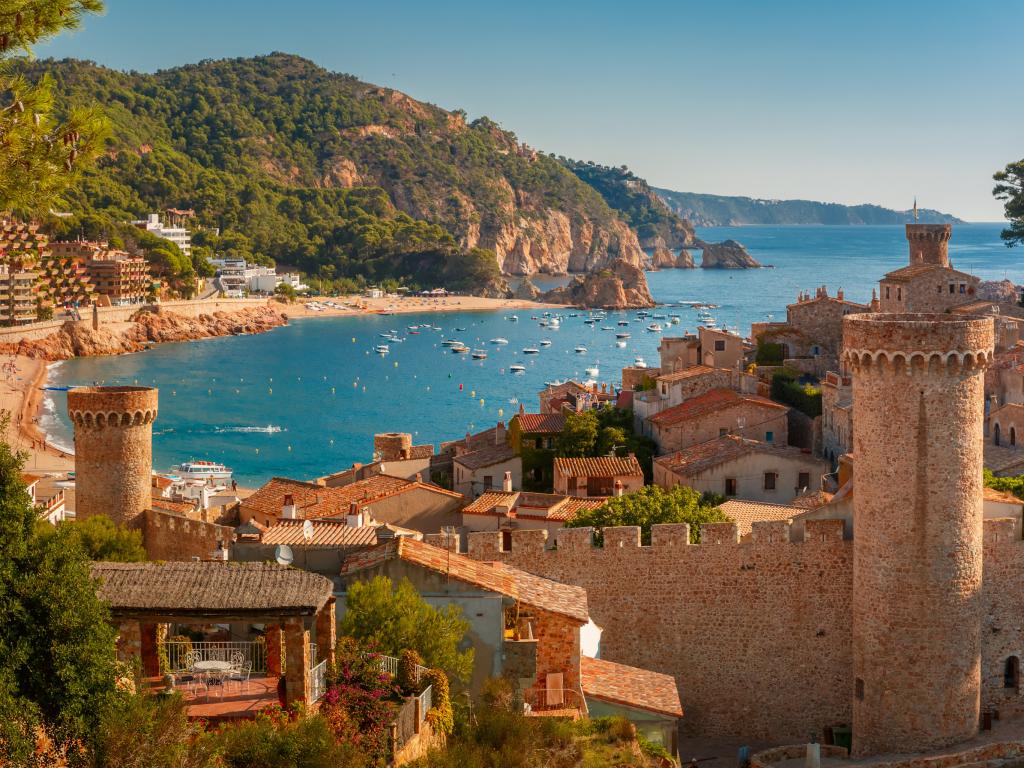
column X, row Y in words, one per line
column 172, row 537
column 758, row 420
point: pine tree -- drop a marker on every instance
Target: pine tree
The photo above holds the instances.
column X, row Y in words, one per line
column 1011, row 189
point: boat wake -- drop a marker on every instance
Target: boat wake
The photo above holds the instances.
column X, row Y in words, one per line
column 270, row 429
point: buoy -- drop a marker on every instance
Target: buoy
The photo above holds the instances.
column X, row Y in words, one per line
column 481, row 402
column 257, row 450
column 353, row 339
column 460, row 387
column 332, row 390
column 332, row 441
column 289, row 447
column 473, row 393
column 501, row 412
column 270, row 391
column 209, row 391
column 174, row 392
column 396, row 363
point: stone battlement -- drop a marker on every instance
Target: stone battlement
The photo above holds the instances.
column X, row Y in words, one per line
column 112, row 406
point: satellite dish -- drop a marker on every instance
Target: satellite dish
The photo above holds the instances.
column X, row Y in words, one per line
column 307, row 530
column 283, row 554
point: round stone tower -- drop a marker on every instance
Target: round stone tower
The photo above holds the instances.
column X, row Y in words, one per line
column 929, row 243
column 113, row 450
column 393, row 446
column 918, row 395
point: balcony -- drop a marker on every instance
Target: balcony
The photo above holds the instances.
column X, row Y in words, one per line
column 553, row 702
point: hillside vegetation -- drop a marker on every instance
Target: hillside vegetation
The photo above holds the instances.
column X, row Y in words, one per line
column 719, row 211
column 338, row 177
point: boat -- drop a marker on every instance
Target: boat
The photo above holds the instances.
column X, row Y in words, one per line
column 545, row 342
column 620, row 344
column 638, row 362
column 459, row 349
column 202, row 470
column 590, row 320
column 654, row 328
column 460, row 330
column 554, row 322
column 643, row 313
column 580, row 349
column 530, row 351
column 413, row 327
column 499, row 340
column 517, row 368
column 593, row 371
column 450, row 343
column 607, row 328
column 513, row 318
column 675, row 319
column 479, row 354
column 385, row 335
column 658, row 317
column 623, row 322
column 621, row 335
column 554, row 383
column 382, row 349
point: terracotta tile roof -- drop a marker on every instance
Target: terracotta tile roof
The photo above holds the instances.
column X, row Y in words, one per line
column 575, row 505
column 906, row 274
column 162, row 482
column 630, row 686
column 424, row 451
column 971, row 307
column 316, row 501
column 480, row 439
column 532, row 506
column 553, row 596
column 566, row 387
column 1000, row 458
column 598, row 466
column 488, row 501
column 836, row 299
column 326, row 533
column 812, row 499
column 541, row 423
column 711, row 453
column 686, row 373
column 169, row 505
column 708, row 403
column 30, row 480
column 210, row 587
column 744, row 513
column 991, row 494
column 486, row 457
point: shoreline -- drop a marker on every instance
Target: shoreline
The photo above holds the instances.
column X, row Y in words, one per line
column 410, row 305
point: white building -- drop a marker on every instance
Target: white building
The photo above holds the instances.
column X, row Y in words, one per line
column 238, row 277
column 177, row 235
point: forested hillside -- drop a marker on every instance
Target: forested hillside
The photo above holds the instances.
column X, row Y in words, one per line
column 335, row 176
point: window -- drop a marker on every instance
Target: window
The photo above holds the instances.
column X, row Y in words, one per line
column 952, row 288
column 769, row 481
column 722, row 431
column 730, row 486
column 1011, row 673
column 664, row 389
column 859, row 689
column 539, row 442
column 719, row 345
column 963, row 287
column 769, row 436
column 887, row 291
column 995, row 434
column 488, row 482
column 506, row 540
column 803, row 480
column 899, row 294
column 1013, row 435
column 940, row 288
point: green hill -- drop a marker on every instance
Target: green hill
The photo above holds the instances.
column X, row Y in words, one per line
column 332, row 175
column 717, row 211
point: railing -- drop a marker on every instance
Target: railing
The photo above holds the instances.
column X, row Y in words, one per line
column 214, row 651
column 426, row 702
column 405, row 726
column 548, row 699
column 318, row 680
column 389, row 664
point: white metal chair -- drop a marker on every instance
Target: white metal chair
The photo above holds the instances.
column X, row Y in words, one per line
column 241, row 674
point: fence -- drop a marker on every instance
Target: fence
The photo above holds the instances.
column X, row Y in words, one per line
column 547, row 699
column 214, row 651
column 318, row 680
column 389, row 664
column 426, row 702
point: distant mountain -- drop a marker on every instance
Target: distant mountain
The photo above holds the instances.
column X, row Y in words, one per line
column 717, row 211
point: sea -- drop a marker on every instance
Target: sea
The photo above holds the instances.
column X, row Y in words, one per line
column 305, row 400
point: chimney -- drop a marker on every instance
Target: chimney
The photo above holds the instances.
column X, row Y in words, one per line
column 499, row 433
column 839, row 294
column 353, row 519
column 419, row 477
column 506, row 484
column 367, row 517
column 618, row 487
column 288, row 509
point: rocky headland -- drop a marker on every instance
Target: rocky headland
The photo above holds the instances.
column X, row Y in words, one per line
column 663, row 258
column 621, row 286
column 728, row 254
column 78, row 339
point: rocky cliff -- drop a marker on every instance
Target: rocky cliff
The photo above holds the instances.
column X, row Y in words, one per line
column 663, row 258
column 621, row 286
column 80, row 340
column 526, row 290
column 1002, row 291
column 728, row 254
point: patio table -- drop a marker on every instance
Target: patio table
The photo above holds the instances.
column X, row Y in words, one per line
column 213, row 669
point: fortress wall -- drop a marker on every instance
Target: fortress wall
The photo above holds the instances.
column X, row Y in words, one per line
column 172, row 537
column 1002, row 631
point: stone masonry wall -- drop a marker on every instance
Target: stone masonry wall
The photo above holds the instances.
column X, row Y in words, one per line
column 558, row 648
column 757, row 419
column 171, row 537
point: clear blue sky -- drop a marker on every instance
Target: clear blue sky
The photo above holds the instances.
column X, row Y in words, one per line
column 842, row 101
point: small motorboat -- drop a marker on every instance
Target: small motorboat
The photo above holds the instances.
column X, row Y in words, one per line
column 607, row 328
column 545, row 342
column 460, row 330
column 638, row 362
column 620, row 344
column 580, row 350
column 513, row 318
column 623, row 322
column 517, row 368
column 590, row 320
column 499, row 340
column 654, row 328
column 621, row 335
column 450, row 343
column 479, row 354
column 593, row 371
column 531, row 351
column 382, row 349
column 459, row 349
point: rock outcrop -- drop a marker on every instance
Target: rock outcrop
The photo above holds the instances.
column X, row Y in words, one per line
column 526, row 290
column 728, row 254
column 1001, row 291
column 663, row 258
column 621, row 286
column 78, row 339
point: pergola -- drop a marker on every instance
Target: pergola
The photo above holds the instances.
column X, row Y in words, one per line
column 144, row 598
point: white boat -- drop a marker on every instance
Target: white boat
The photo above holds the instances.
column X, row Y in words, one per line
column 593, row 371
column 202, row 470
column 513, row 318
column 675, row 319
column 451, row 343
column 638, row 362
column 459, row 349
column 620, row 344
column 654, row 328
column 517, row 368
column 531, row 351
column 479, row 354
column 623, row 322
column 545, row 342
column 621, row 335
column 382, row 349
column 499, row 340
column 580, row 349
column 554, row 322
column 413, row 327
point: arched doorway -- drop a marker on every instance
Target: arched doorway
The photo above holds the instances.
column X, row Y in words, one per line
column 1011, row 673
column 995, row 435
column 1013, row 435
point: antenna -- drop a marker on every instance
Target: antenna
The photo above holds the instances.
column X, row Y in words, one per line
column 283, row 554
column 307, row 530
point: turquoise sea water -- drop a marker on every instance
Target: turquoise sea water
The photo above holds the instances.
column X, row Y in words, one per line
column 319, row 382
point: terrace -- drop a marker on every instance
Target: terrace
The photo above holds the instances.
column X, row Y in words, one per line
column 289, row 613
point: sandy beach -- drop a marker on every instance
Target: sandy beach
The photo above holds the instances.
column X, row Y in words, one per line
column 361, row 305
column 21, row 398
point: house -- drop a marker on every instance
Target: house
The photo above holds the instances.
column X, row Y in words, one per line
column 393, row 454
column 746, row 513
column 926, row 287
column 407, row 503
column 47, row 498
column 497, row 510
column 1001, row 504
column 482, row 470
column 574, row 397
column 734, row 466
column 1006, row 425
column 1003, row 460
column 523, row 626
column 713, row 347
column 836, row 415
column 533, row 437
column 671, row 389
column 719, row 412
column 598, row 476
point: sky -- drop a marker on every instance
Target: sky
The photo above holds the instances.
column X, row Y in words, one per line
column 849, row 102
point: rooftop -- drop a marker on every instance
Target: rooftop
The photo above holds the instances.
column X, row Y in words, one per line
column 812, row 499
column 542, row 423
column 708, row 403
column 686, row 373
column 535, row 506
column 486, row 457
column 711, row 453
column 991, row 494
column 538, row 592
column 326, row 533
column 209, row 588
column 746, row 513
column 906, row 274
column 598, row 466
column 630, row 686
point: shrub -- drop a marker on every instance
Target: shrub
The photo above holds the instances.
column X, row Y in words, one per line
column 408, row 677
column 768, row 353
column 805, row 398
column 440, row 716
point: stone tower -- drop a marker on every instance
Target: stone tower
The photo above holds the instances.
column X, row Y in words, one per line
column 113, row 450
column 929, row 243
column 918, row 395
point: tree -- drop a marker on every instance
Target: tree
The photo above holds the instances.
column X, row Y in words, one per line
column 611, row 438
column 286, row 291
column 396, row 618
column 578, row 437
column 41, row 156
column 56, row 643
column 653, row 505
column 102, row 539
column 1011, row 189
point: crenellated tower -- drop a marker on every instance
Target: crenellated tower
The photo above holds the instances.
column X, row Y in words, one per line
column 929, row 243
column 918, row 394
column 113, row 450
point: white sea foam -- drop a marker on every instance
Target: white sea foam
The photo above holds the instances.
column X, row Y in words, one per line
column 270, row 429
